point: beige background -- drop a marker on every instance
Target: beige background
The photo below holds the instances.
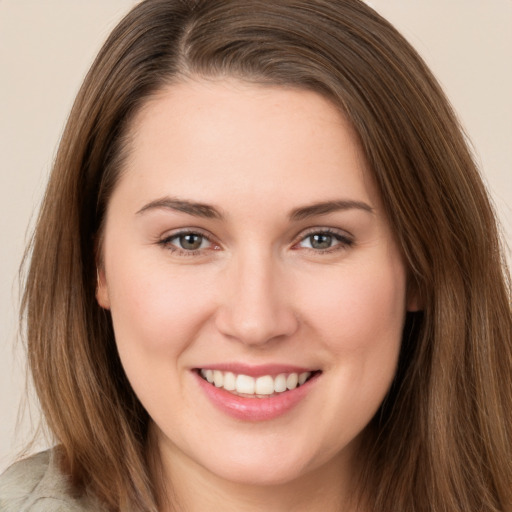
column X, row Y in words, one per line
column 46, row 47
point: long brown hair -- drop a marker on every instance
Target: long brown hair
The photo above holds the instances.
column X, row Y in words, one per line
column 442, row 439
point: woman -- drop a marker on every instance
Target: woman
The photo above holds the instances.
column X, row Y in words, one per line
column 278, row 284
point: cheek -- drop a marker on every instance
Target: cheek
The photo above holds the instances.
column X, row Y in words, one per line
column 154, row 309
column 362, row 309
column 157, row 315
column 359, row 322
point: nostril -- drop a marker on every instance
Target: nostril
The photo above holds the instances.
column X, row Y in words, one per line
column 258, row 326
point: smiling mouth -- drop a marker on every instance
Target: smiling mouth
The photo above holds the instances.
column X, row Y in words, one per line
column 265, row 386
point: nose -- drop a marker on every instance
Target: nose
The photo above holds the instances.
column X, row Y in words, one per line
column 255, row 307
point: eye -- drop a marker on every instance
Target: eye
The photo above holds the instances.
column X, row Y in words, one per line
column 325, row 241
column 187, row 242
column 190, row 241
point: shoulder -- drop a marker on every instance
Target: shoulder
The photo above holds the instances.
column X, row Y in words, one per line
column 36, row 484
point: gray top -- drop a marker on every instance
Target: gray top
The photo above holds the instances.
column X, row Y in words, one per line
column 36, row 484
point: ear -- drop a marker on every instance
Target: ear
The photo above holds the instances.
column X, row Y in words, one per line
column 102, row 295
column 414, row 301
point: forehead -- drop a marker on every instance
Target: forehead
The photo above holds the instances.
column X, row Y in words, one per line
column 220, row 140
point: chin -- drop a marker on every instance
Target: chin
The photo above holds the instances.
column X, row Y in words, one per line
column 267, row 465
column 255, row 473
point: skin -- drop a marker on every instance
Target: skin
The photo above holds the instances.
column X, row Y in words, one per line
column 256, row 292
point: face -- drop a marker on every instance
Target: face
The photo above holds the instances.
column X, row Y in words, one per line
column 245, row 245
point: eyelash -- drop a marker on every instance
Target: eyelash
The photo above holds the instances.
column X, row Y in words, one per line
column 167, row 242
column 344, row 241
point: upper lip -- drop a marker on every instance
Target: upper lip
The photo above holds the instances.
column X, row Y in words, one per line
column 256, row 370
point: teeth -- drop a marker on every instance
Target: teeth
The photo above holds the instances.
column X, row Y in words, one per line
column 303, row 377
column 292, row 381
column 280, row 383
column 229, row 381
column 264, row 385
column 245, row 384
column 218, row 378
column 261, row 386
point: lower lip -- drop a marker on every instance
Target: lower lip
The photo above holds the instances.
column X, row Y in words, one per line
column 255, row 409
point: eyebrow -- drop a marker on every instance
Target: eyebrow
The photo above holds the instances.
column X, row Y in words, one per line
column 210, row 212
column 327, row 207
column 196, row 209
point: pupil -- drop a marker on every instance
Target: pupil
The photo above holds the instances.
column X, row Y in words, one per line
column 191, row 241
column 321, row 241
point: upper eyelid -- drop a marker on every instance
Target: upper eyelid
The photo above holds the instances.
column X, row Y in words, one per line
column 332, row 231
column 185, row 231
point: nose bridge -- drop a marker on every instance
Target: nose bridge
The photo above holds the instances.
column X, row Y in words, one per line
column 255, row 310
